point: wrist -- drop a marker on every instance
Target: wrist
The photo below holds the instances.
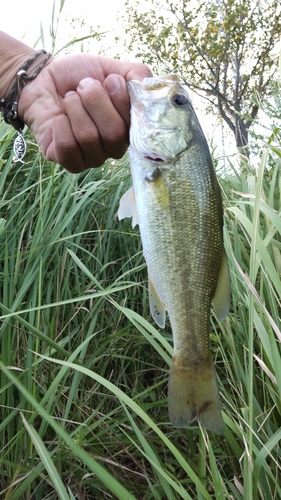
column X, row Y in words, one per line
column 12, row 54
column 24, row 73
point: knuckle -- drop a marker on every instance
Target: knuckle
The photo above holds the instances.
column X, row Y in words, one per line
column 117, row 133
column 96, row 163
column 73, row 169
column 86, row 136
column 93, row 94
column 118, row 155
column 66, row 146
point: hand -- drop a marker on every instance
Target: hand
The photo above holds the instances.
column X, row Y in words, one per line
column 78, row 109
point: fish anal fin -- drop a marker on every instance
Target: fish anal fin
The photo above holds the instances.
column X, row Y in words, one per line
column 157, row 307
column 193, row 395
column 221, row 299
column 128, row 207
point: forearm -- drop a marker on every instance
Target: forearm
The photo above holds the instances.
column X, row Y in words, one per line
column 12, row 54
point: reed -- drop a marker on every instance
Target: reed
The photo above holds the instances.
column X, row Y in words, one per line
column 83, row 368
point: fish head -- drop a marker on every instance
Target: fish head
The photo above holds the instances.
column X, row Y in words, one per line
column 163, row 122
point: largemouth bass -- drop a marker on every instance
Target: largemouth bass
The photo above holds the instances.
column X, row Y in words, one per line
column 177, row 203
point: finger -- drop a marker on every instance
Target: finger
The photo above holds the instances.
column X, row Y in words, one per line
column 138, row 71
column 116, row 87
column 128, row 70
column 111, row 126
column 66, row 150
column 85, row 131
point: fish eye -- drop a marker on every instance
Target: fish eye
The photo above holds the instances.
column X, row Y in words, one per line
column 179, row 100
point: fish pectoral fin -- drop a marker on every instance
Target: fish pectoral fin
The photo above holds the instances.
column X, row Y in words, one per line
column 157, row 307
column 128, row 207
column 221, row 299
column 162, row 193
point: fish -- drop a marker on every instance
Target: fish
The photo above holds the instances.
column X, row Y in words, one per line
column 176, row 200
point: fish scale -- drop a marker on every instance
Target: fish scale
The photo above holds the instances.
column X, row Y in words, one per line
column 177, row 204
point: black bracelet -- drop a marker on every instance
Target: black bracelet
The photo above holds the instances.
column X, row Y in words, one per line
column 9, row 106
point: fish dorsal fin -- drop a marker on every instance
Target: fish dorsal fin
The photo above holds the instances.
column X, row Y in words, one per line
column 221, row 299
column 157, row 307
column 128, row 207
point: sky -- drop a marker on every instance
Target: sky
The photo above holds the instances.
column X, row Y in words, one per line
column 21, row 19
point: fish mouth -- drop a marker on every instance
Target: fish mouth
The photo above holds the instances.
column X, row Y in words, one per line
column 150, row 88
column 153, row 83
column 152, row 138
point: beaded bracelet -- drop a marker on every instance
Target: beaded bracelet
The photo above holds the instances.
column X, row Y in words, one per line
column 9, row 106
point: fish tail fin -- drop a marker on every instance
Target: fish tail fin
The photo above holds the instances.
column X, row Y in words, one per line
column 193, row 394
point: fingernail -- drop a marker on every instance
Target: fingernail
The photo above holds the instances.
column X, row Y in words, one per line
column 70, row 92
column 112, row 84
column 86, row 82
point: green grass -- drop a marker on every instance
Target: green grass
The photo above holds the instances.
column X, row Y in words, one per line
column 83, row 390
column 83, row 368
